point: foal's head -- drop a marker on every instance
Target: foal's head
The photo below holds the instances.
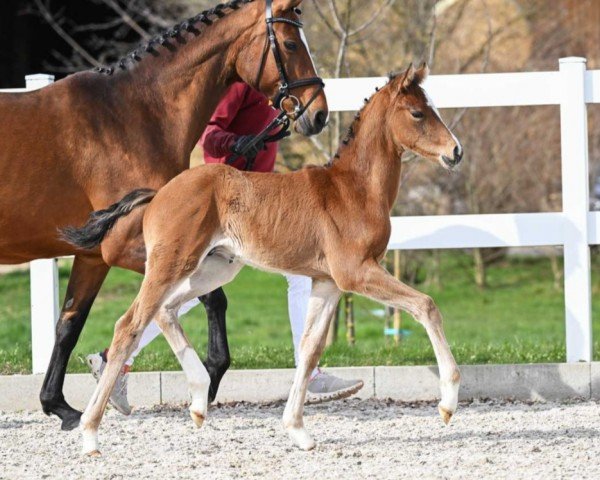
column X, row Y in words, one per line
column 415, row 124
column 257, row 64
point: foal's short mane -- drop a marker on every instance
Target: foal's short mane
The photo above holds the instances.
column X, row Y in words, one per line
column 190, row 25
column 351, row 132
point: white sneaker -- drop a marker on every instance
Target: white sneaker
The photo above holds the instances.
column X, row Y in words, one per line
column 324, row 387
column 118, row 397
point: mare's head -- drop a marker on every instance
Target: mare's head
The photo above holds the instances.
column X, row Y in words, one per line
column 268, row 65
column 415, row 124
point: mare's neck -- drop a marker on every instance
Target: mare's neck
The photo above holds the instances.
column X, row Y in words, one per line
column 370, row 159
column 180, row 86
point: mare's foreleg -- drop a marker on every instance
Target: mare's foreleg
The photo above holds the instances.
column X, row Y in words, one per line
column 87, row 276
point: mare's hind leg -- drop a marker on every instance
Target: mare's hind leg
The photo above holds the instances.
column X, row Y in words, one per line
column 218, row 358
column 323, row 300
column 87, row 276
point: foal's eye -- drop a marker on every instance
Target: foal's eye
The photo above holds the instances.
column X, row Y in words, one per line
column 418, row 115
column 290, row 45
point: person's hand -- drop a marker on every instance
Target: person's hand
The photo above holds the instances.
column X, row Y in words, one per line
column 242, row 143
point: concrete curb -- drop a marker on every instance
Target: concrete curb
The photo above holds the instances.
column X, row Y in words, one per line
column 538, row 382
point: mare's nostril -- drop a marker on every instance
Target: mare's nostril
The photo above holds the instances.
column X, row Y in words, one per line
column 320, row 120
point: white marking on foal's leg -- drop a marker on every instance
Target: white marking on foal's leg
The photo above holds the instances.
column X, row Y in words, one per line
column 301, row 438
column 89, row 438
column 449, row 403
column 199, row 382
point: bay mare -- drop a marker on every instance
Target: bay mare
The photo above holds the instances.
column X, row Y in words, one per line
column 331, row 224
column 83, row 142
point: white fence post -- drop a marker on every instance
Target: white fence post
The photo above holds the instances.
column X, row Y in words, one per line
column 44, row 311
column 575, row 194
column 44, row 284
column 37, row 81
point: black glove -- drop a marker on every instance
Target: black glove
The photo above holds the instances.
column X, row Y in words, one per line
column 242, row 147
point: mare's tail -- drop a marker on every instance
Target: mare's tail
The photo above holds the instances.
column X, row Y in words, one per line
column 101, row 221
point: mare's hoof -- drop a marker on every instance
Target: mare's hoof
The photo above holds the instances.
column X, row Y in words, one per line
column 445, row 414
column 93, row 453
column 70, row 421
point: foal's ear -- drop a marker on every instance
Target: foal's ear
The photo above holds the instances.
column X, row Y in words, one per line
column 422, row 73
column 406, row 79
column 280, row 6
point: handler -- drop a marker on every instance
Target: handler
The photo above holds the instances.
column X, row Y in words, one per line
column 242, row 113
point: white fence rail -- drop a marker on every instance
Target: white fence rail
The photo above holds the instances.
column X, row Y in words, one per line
column 572, row 87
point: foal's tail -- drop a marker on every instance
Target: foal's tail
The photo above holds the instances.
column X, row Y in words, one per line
column 101, row 221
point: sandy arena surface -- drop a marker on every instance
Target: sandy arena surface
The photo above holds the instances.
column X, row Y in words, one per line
column 369, row 439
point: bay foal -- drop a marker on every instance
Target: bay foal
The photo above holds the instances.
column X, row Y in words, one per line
column 331, row 224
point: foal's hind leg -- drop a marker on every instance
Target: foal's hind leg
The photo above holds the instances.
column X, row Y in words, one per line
column 127, row 333
column 323, row 300
column 195, row 372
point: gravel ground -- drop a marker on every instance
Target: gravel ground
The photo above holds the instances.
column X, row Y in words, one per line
column 368, row 439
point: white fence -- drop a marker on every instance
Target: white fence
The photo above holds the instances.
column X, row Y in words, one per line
column 575, row 228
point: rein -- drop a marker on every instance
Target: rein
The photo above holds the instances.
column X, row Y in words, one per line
column 283, row 121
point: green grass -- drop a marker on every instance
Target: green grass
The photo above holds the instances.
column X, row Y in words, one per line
column 519, row 318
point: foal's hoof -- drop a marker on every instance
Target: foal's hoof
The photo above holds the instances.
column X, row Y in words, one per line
column 93, row 454
column 301, row 438
column 445, row 414
column 197, row 417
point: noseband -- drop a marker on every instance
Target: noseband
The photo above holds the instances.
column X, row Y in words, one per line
column 283, row 121
column 285, row 86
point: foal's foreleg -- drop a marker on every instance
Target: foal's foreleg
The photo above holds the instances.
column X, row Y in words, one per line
column 323, row 300
column 375, row 282
column 195, row 372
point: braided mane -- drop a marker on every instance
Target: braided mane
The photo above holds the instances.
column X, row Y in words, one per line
column 191, row 25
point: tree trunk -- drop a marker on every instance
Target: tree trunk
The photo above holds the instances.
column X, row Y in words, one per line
column 433, row 275
column 349, row 311
column 557, row 271
column 397, row 313
column 332, row 333
column 480, row 272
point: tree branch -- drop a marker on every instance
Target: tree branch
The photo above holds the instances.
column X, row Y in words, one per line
column 43, row 10
column 127, row 19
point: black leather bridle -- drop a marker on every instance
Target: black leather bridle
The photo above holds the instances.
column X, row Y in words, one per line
column 285, row 86
column 283, row 121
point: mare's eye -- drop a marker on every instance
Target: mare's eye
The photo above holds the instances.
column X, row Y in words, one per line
column 418, row 115
column 297, row 11
column 290, row 45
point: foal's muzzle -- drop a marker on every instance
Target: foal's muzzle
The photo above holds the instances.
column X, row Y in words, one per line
column 452, row 162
